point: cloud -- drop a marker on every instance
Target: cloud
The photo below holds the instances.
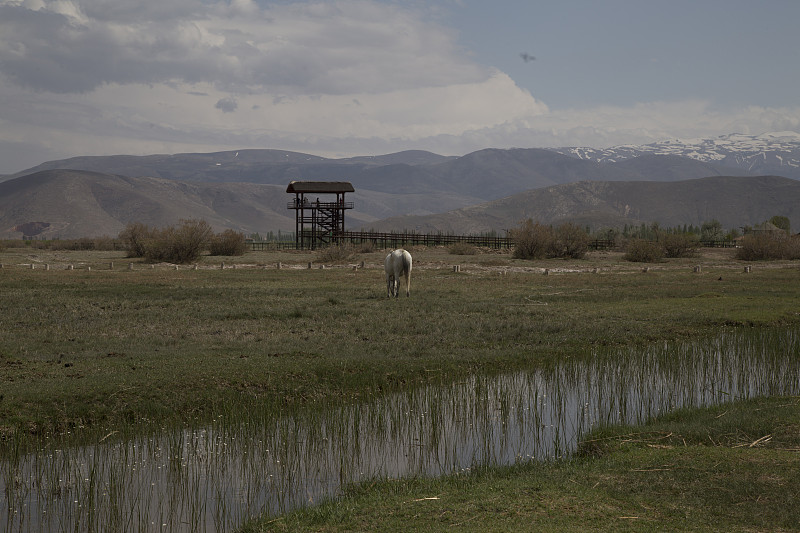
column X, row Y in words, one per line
column 349, row 77
column 227, row 105
column 74, row 46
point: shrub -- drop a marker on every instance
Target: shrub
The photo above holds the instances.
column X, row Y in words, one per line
column 643, row 251
column 570, row 241
column 229, row 242
column 105, row 243
column 760, row 247
column 792, row 248
column 532, row 241
column 462, row 248
column 134, row 238
column 366, row 247
column 335, row 253
column 179, row 245
column 680, row 244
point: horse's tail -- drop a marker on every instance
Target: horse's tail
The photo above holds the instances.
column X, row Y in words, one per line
column 407, row 262
column 407, row 270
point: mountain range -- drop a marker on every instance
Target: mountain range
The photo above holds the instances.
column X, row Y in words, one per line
column 489, row 189
column 775, row 153
column 734, row 201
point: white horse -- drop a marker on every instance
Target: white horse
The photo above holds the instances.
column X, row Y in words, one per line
column 397, row 264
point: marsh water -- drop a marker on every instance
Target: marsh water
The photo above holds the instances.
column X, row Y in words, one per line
column 213, row 478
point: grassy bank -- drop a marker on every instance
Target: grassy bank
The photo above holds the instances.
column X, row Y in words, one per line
column 728, row 468
column 98, row 348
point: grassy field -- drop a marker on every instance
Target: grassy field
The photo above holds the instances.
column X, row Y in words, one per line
column 88, row 348
column 96, row 347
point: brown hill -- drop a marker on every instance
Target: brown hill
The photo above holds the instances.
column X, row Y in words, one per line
column 70, row 204
column 733, row 201
column 86, row 204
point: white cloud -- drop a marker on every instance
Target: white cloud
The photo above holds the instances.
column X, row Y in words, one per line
column 336, row 78
column 64, row 46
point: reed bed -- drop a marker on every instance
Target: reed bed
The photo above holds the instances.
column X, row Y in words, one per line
column 216, row 477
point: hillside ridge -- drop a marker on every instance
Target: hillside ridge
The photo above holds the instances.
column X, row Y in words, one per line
column 72, row 204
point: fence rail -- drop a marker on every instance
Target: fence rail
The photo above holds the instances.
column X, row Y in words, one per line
column 269, row 246
column 395, row 240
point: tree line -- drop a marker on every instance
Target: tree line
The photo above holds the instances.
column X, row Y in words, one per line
column 651, row 242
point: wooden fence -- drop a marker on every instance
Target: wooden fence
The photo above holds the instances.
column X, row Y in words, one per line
column 396, row 240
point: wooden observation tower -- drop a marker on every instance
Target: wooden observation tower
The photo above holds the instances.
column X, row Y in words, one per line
column 318, row 220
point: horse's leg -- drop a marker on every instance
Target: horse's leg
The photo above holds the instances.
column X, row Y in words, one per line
column 408, row 282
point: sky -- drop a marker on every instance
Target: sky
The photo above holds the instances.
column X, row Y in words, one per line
column 367, row 77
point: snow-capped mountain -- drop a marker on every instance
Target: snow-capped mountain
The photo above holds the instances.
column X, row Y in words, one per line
column 776, row 153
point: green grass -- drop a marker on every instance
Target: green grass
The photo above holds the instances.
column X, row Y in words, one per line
column 733, row 467
column 95, row 349
column 84, row 354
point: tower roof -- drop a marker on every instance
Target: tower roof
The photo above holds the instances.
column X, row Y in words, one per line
column 319, row 187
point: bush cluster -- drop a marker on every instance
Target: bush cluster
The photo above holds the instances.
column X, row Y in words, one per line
column 366, row 247
column 643, row 251
column 679, row 244
column 533, row 240
column 462, row 248
column 182, row 244
column 229, row 242
column 135, row 237
column 102, row 243
column 667, row 245
column 759, row 247
column 335, row 253
column 570, row 241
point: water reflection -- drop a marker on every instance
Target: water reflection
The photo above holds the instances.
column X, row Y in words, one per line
column 213, row 478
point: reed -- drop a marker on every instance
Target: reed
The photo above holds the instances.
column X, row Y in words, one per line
column 216, row 476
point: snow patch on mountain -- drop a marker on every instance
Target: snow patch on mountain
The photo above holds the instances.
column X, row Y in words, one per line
column 775, row 153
